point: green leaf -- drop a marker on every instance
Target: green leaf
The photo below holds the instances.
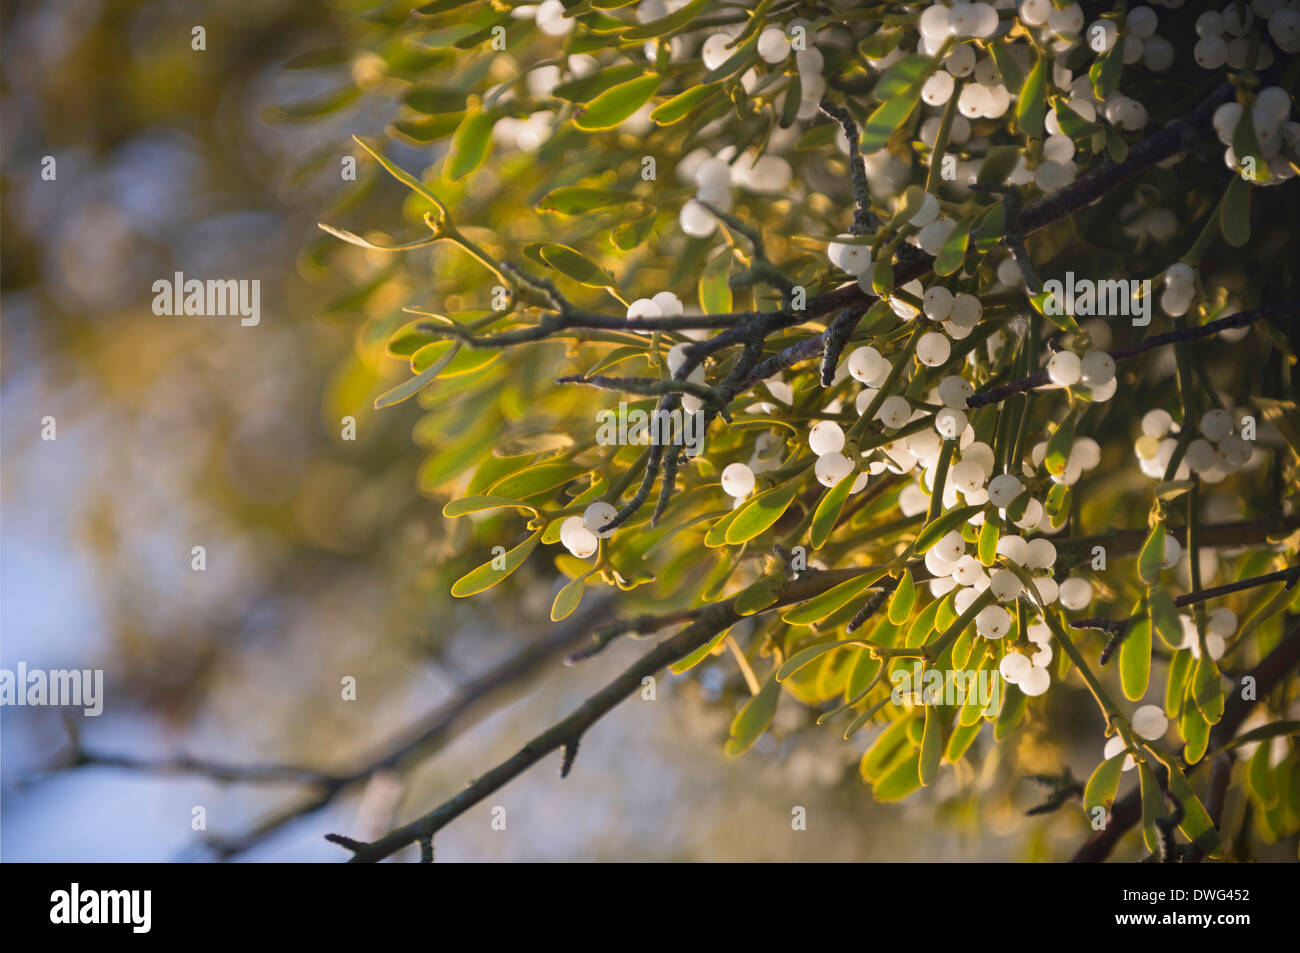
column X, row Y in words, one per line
column 586, row 88
column 1059, row 445
column 640, row 220
column 1245, row 143
column 961, row 739
column 411, row 386
column 1260, row 780
column 533, row 444
column 568, row 598
column 1180, row 663
column 809, row 655
column 313, row 109
column 1105, row 71
column 536, row 479
column 832, row 600
column 717, row 534
column 617, row 103
column 828, row 510
column 942, row 526
column 1008, row 68
column 1234, row 219
column 919, row 632
column 452, row 359
column 435, row 100
column 1014, row 704
column 478, row 504
column 1275, row 730
column 752, row 720
column 683, row 104
column 759, row 595
column 1196, row 825
column 715, row 286
column 470, row 143
column 1032, row 105
column 1153, row 806
column 664, row 25
column 953, row 253
column 574, row 264
column 1207, row 689
column 902, row 780
column 733, row 63
column 883, row 751
column 688, row 662
column 401, row 175
column 1151, row 557
column 1196, row 732
column 898, row 92
column 761, row 512
column 932, row 745
column 487, row 575
column 1101, row 787
column 987, row 546
column 573, row 200
column 999, row 163
column 1164, row 616
column 903, row 599
column 1135, row 660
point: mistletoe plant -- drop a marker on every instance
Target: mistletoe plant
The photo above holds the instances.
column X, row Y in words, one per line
column 932, row 361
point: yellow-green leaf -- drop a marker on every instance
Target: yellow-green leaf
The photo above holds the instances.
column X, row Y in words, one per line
column 617, row 103
column 828, row 510
column 574, row 264
column 832, row 600
column 488, row 575
column 568, row 598
column 470, row 143
column 752, row 720
column 903, row 599
column 477, row 504
column 1135, row 660
column 761, row 512
column 1101, row 787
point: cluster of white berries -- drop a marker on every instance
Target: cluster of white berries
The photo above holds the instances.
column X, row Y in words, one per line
column 1270, row 115
column 1212, row 456
column 1084, row 455
column 1224, row 37
column 1219, row 627
column 954, row 568
column 1095, row 369
column 826, row 439
column 581, row 535
column 774, row 47
column 1029, row 672
column 714, row 177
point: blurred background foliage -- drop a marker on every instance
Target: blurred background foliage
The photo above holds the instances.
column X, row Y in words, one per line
column 329, row 557
column 176, row 432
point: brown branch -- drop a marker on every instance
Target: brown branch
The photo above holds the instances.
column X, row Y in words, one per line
column 1039, row 378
